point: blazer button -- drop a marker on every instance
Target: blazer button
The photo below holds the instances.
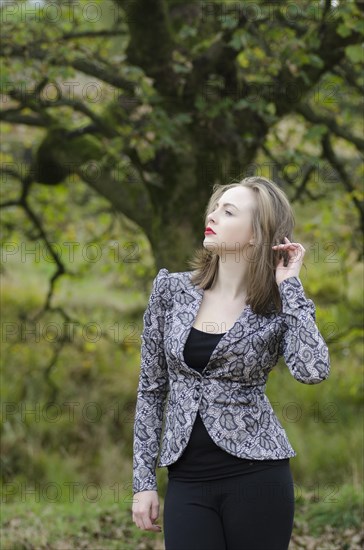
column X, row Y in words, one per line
column 196, row 395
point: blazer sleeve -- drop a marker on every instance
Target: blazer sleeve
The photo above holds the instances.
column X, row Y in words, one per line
column 302, row 346
column 152, row 388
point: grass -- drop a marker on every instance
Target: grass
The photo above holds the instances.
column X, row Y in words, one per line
column 105, row 523
column 99, row 525
column 323, row 423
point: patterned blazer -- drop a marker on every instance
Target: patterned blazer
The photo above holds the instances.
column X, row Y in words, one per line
column 230, row 391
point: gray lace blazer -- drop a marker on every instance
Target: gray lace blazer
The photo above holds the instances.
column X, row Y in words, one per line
column 230, row 391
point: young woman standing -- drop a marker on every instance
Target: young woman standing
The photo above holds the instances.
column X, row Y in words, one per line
column 210, row 339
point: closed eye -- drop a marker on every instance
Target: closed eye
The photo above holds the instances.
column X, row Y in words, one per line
column 227, row 211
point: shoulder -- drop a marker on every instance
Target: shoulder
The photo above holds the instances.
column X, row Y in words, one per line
column 166, row 283
column 165, row 278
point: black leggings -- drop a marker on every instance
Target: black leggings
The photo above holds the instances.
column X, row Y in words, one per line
column 251, row 511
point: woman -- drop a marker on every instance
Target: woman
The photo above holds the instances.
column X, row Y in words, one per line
column 209, row 341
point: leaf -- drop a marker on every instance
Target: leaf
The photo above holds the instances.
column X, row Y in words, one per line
column 271, row 108
column 359, row 26
column 354, row 53
column 315, row 133
column 229, row 22
column 343, row 30
column 200, row 103
column 239, row 39
column 316, row 61
column 187, row 31
column 243, row 60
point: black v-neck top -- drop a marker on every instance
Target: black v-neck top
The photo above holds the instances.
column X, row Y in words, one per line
column 202, row 459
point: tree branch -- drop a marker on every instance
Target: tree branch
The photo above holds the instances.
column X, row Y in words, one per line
column 60, row 342
column 14, row 117
column 305, row 110
column 11, row 115
column 4, row 169
column 101, row 71
column 335, row 162
column 331, row 51
column 90, row 34
column 307, row 170
column 348, row 74
column 22, row 202
column 27, row 100
column 78, row 105
column 126, row 190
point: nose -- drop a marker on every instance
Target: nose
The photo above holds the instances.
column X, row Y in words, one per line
column 210, row 218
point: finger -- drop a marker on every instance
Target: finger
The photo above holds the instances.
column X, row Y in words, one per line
column 147, row 524
column 137, row 521
column 155, row 512
column 143, row 520
column 155, row 528
column 289, row 246
column 285, row 245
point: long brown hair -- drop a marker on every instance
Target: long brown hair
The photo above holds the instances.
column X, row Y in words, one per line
column 272, row 220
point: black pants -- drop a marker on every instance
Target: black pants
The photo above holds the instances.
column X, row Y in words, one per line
column 252, row 511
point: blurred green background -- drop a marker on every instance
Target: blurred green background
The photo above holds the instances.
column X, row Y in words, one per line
column 117, row 119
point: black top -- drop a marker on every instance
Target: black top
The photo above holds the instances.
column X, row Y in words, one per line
column 202, row 459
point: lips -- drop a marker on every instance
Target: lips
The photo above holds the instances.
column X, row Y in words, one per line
column 209, row 231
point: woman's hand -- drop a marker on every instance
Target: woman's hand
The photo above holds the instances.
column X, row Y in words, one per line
column 295, row 252
column 145, row 510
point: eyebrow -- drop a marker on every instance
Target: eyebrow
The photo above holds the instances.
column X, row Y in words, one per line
column 228, row 204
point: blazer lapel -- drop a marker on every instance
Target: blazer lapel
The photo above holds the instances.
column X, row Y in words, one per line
column 187, row 300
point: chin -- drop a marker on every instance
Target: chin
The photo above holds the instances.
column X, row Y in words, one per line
column 213, row 247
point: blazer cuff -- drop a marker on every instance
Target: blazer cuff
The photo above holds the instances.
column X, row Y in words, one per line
column 147, row 484
column 293, row 295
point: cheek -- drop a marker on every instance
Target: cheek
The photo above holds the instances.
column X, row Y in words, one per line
column 238, row 230
column 233, row 232
column 238, row 225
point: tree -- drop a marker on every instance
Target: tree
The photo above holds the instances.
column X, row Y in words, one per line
column 150, row 102
column 143, row 105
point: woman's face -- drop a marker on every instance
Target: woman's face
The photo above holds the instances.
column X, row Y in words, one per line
column 232, row 223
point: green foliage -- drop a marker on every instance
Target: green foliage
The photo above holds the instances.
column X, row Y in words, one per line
column 260, row 95
column 101, row 522
column 95, row 520
column 343, row 511
column 57, row 157
column 355, row 53
column 225, row 82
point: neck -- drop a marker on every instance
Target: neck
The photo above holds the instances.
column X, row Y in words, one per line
column 231, row 280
